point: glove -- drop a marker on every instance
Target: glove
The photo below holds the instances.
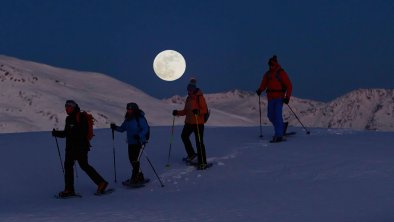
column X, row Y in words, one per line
column 54, row 132
column 196, row 111
column 258, row 92
column 113, row 126
column 137, row 137
column 174, row 112
column 286, row 100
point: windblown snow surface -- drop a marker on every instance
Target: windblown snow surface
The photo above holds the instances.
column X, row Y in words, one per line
column 329, row 175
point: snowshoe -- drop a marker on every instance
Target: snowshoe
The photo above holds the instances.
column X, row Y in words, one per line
column 129, row 183
column 67, row 194
column 107, row 191
column 189, row 159
column 277, row 139
column 204, row 166
column 289, row 133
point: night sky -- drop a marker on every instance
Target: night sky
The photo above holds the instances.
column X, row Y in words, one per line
column 328, row 48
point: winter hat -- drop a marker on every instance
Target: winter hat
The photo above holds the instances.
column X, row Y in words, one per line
column 273, row 60
column 133, row 106
column 71, row 103
column 192, row 84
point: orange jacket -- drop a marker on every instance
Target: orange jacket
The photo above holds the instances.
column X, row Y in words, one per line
column 274, row 86
column 194, row 101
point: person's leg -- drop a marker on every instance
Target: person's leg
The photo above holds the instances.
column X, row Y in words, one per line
column 199, row 137
column 186, row 132
column 82, row 158
column 69, row 172
column 278, row 118
column 271, row 111
column 134, row 152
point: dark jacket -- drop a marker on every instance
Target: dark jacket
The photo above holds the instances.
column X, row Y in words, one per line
column 75, row 132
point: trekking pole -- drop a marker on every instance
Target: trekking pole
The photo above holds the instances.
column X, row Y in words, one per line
column 172, row 134
column 146, row 156
column 307, row 131
column 261, row 130
column 198, row 135
column 113, row 152
column 60, row 157
column 141, row 151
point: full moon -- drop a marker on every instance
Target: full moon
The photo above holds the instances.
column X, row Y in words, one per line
column 169, row 65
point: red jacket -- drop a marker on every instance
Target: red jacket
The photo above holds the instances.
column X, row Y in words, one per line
column 276, row 88
column 194, row 101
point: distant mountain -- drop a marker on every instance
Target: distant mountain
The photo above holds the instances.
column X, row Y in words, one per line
column 243, row 106
column 32, row 98
column 370, row 109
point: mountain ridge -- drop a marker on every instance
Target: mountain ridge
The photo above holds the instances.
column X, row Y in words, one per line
column 33, row 95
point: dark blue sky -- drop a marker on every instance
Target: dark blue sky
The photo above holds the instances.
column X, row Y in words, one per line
column 328, row 47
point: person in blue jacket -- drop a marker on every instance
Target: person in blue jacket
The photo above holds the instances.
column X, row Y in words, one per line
column 137, row 128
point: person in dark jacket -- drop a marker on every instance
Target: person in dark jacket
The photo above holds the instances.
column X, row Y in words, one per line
column 194, row 110
column 137, row 127
column 278, row 86
column 77, row 148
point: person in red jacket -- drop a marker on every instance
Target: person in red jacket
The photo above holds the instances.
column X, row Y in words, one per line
column 278, row 86
column 194, row 110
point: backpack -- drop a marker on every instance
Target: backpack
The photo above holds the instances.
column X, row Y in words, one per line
column 147, row 135
column 90, row 119
column 284, row 88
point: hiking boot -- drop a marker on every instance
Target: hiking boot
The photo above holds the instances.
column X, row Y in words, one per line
column 191, row 158
column 277, row 139
column 202, row 166
column 101, row 187
column 66, row 193
column 140, row 178
column 127, row 182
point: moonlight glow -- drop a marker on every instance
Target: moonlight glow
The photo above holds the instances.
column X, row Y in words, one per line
column 169, row 65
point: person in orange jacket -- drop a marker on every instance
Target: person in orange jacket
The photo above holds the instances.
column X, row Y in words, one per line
column 194, row 110
column 278, row 86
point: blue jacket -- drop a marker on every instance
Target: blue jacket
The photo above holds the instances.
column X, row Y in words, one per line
column 133, row 128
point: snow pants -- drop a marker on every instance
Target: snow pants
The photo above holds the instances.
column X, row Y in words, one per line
column 82, row 158
column 134, row 152
column 275, row 107
column 188, row 129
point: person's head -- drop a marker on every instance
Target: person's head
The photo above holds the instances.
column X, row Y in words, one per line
column 71, row 106
column 273, row 62
column 192, row 86
column 132, row 109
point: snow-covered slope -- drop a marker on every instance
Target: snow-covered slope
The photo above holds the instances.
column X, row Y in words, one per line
column 32, row 98
column 330, row 175
column 33, row 95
